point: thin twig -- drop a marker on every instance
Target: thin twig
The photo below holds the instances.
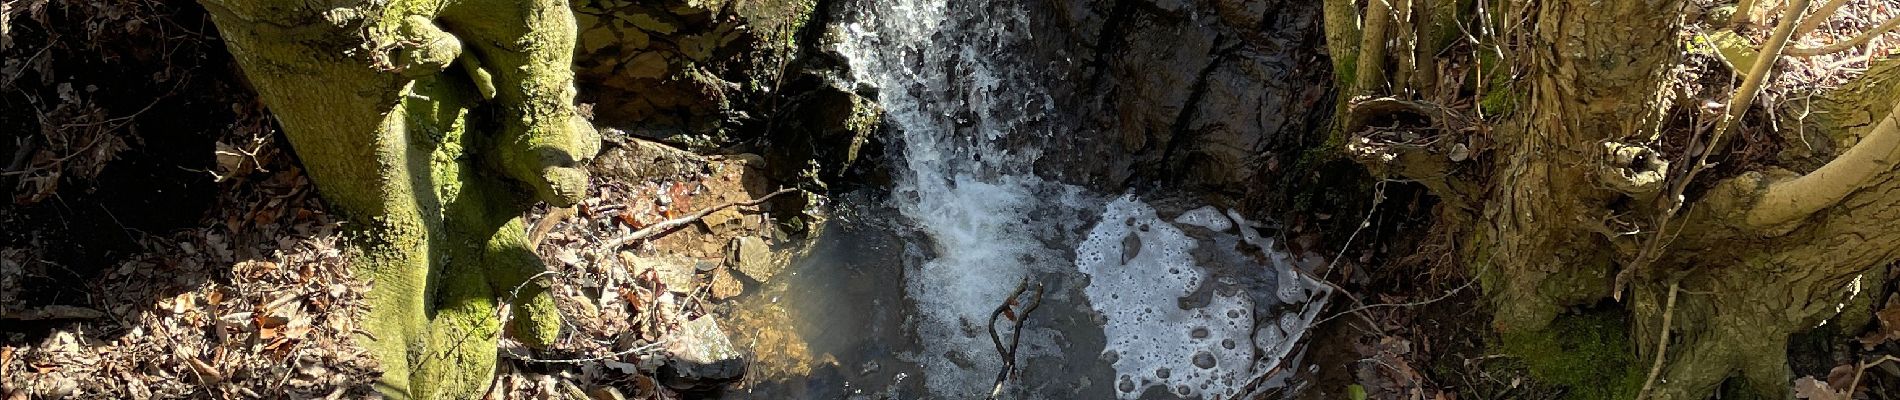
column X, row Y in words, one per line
column 1820, row 15
column 1662, row 342
column 1863, row 368
column 666, row 226
column 618, row 354
column 1008, row 353
column 1877, row 30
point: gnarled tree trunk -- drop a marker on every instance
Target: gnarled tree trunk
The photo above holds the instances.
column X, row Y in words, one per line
column 431, row 165
column 1559, row 196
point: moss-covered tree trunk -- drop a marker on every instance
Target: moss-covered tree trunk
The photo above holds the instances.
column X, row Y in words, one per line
column 1559, row 195
column 430, row 125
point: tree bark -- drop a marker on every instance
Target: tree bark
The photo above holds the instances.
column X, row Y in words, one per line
column 1568, row 193
column 404, row 147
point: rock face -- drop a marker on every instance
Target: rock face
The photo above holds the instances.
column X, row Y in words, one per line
column 1215, row 92
column 742, row 75
column 1206, row 96
column 680, row 64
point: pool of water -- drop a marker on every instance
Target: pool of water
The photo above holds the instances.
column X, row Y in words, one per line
column 1178, row 306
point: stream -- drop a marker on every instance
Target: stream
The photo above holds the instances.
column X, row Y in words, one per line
column 1145, row 295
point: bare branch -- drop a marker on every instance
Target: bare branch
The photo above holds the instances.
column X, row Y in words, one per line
column 1820, row 15
column 1371, row 72
column 1742, row 9
column 1856, row 169
column 1846, row 44
column 666, row 226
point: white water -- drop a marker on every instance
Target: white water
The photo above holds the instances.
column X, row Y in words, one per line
column 971, row 120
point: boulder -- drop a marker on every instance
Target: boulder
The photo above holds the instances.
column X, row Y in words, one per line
column 751, row 256
column 700, row 357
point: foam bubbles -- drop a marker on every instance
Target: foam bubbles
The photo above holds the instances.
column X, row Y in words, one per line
column 1158, row 342
column 1206, row 217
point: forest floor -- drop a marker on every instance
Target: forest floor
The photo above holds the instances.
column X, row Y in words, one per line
column 246, row 294
column 259, row 301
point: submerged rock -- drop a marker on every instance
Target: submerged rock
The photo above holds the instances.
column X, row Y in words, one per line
column 700, row 357
column 725, row 285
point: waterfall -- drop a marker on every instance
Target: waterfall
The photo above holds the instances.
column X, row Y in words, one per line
column 949, row 87
column 970, row 120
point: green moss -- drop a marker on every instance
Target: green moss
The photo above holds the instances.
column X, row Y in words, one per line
column 433, row 193
column 1589, row 354
column 1498, row 102
column 1498, row 98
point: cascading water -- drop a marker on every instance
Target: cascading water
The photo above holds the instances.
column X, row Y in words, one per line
column 1137, row 305
column 948, row 85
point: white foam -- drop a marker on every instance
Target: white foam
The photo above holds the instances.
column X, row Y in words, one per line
column 1206, row 217
column 1154, row 340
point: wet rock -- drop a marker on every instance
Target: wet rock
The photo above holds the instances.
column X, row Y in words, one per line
column 676, row 273
column 726, row 285
column 701, row 357
column 1206, row 96
column 751, row 256
column 830, row 126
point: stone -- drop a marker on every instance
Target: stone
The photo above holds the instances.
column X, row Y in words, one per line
column 634, row 159
column 752, row 257
column 675, row 273
column 606, row 393
column 723, row 222
column 726, row 285
column 700, row 357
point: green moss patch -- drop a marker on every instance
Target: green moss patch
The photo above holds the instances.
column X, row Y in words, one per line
column 1589, row 354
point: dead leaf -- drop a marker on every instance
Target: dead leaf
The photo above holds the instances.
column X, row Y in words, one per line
column 205, row 371
column 1841, row 376
column 1808, row 388
column 269, row 326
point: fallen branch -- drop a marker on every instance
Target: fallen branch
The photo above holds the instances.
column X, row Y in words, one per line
column 611, row 356
column 1820, row 15
column 1742, row 9
column 1008, row 309
column 667, row 226
column 53, row 313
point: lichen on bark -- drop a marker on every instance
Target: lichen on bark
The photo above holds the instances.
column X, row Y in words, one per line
column 432, row 165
